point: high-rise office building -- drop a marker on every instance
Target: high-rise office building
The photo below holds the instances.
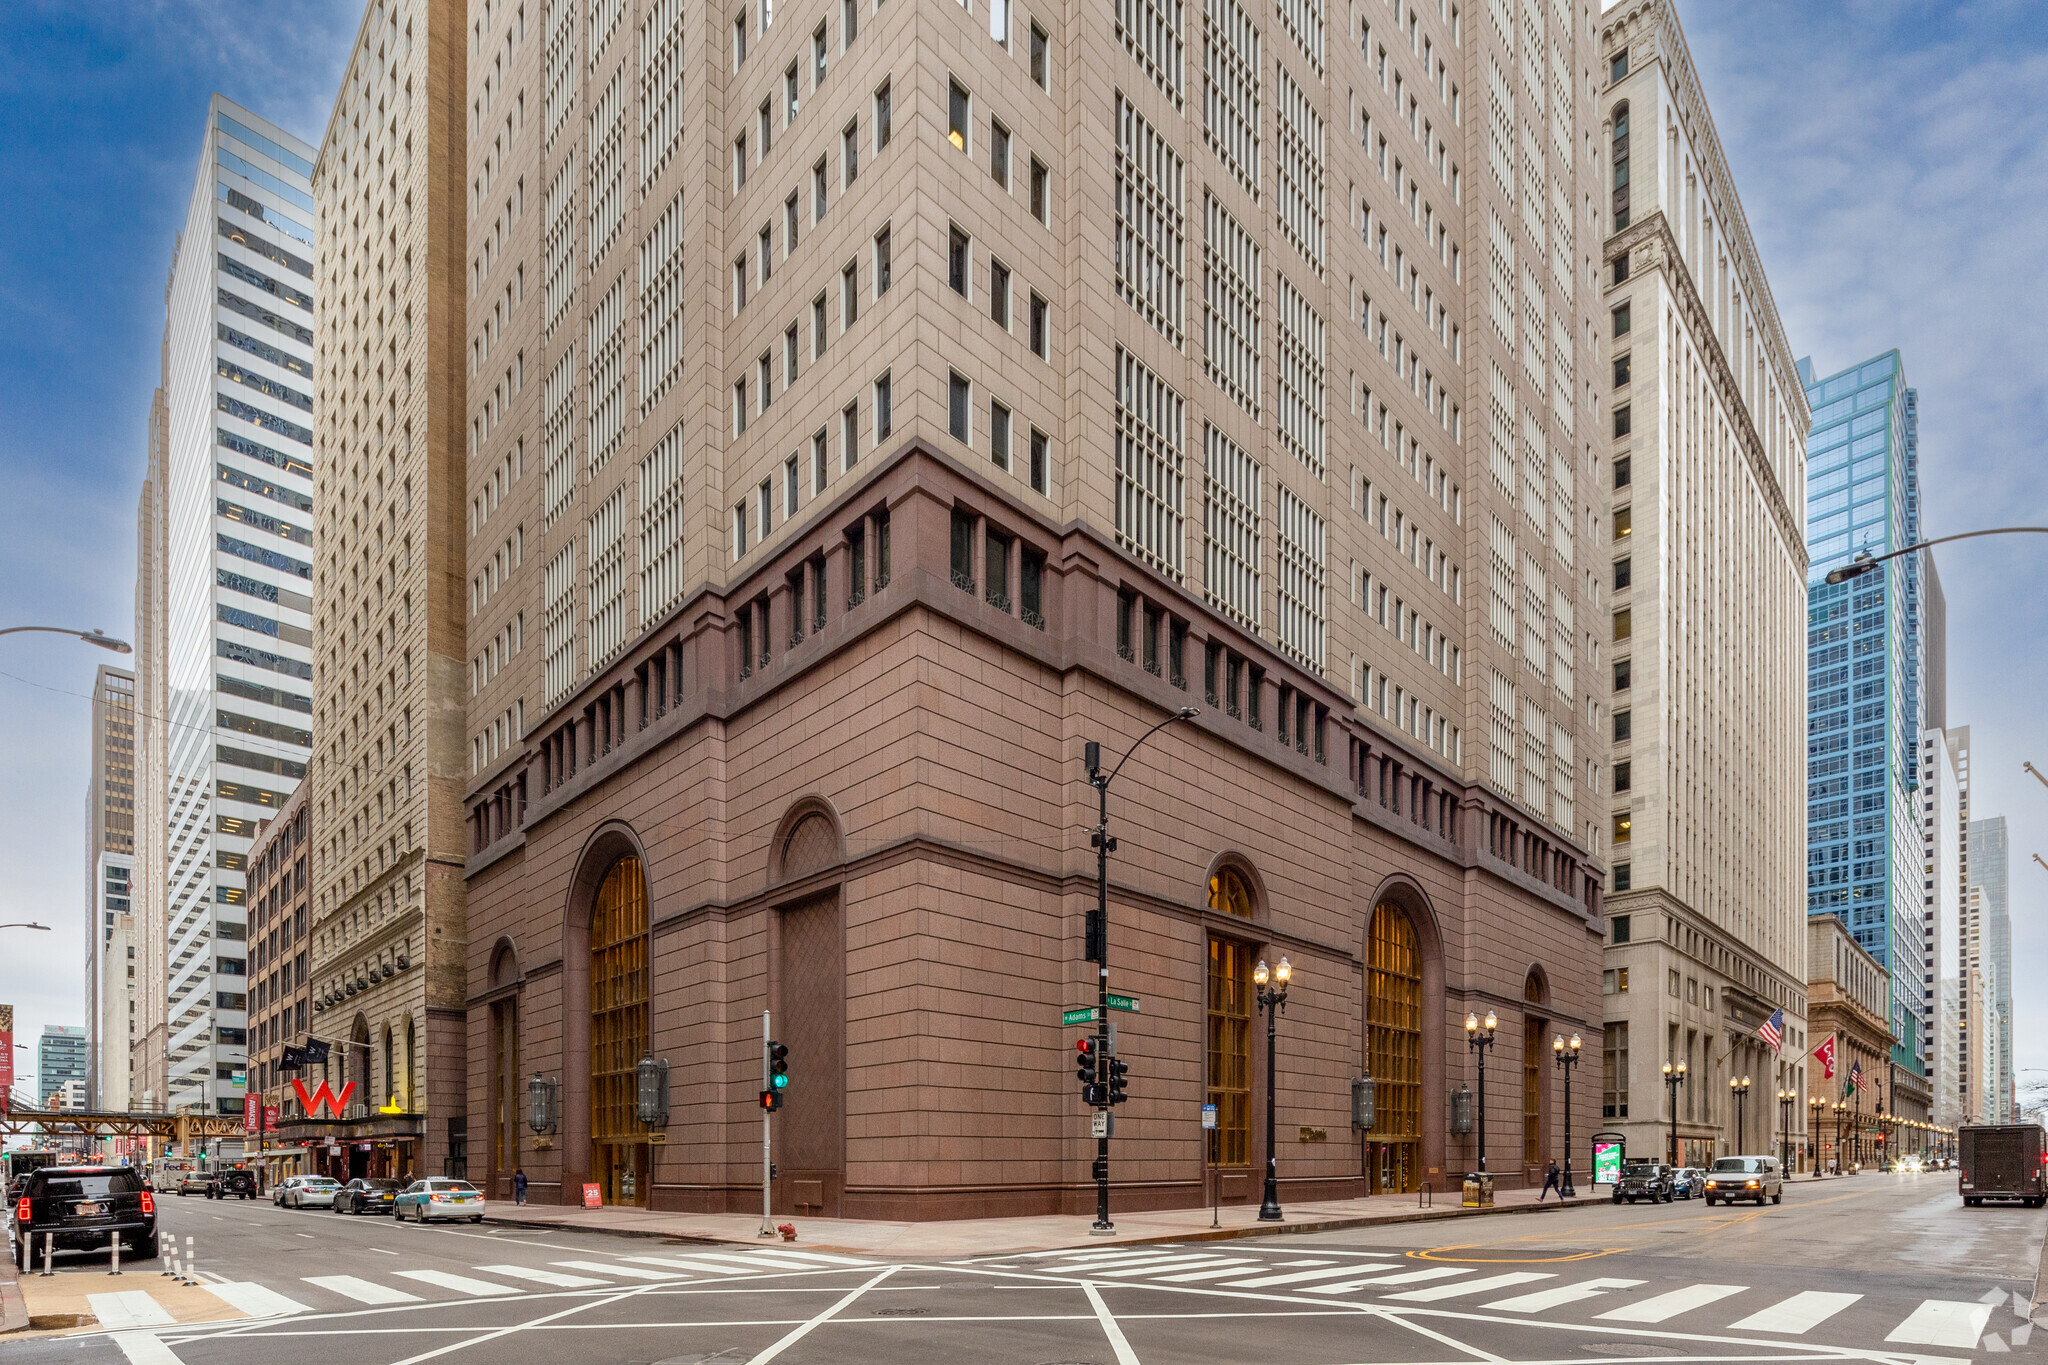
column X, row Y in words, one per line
column 61, row 1057
column 237, row 497
column 1013, row 376
column 1990, row 937
column 1700, row 643
column 1944, row 782
column 109, row 890
column 386, row 944
column 149, row 1055
column 1865, row 708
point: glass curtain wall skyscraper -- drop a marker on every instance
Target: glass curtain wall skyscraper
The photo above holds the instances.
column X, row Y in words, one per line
column 238, row 520
column 1865, row 709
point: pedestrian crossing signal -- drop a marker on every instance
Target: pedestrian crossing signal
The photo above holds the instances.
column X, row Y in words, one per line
column 771, row 1100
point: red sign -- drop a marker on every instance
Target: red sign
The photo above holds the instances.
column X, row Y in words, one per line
column 252, row 1113
column 1825, row 1054
column 593, row 1197
column 270, row 1116
column 323, row 1096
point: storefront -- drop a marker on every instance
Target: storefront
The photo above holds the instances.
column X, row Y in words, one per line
column 383, row 1146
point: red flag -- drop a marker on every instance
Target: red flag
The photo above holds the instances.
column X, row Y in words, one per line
column 1826, row 1055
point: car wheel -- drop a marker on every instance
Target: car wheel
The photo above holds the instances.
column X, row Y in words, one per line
column 1710, row 1201
column 477, row 1219
column 1778, row 1198
column 147, row 1251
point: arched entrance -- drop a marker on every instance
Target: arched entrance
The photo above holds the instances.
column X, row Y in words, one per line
column 619, row 1151
column 1393, row 1022
column 1533, row 1154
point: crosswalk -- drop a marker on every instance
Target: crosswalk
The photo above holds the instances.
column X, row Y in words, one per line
column 1391, row 1278
column 134, row 1309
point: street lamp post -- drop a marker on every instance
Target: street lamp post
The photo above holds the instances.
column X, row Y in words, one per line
column 1479, row 1038
column 1272, row 999
column 91, row 637
column 1674, row 1076
column 1785, row 1098
column 1815, row 1108
column 1841, row 1113
column 1567, row 1055
column 1864, row 562
column 1739, row 1089
column 1097, row 934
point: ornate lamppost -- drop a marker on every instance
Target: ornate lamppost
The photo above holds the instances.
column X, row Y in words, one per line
column 1815, row 1108
column 1739, row 1089
column 1674, row 1076
column 1272, row 999
column 1479, row 1038
column 1567, row 1057
column 1785, row 1098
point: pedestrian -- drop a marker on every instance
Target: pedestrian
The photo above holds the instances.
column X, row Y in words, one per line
column 1552, row 1181
column 519, row 1186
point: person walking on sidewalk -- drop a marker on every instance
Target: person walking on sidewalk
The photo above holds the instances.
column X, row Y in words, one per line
column 519, row 1186
column 1551, row 1181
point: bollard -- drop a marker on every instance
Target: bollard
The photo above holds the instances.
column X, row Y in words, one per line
column 191, row 1274
column 117, row 1255
column 49, row 1253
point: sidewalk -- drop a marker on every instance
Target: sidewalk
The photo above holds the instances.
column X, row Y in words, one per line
column 986, row 1236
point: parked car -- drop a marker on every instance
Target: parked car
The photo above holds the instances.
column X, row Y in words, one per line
column 84, row 1208
column 439, row 1198
column 311, row 1192
column 195, row 1182
column 233, row 1184
column 1688, row 1182
column 1746, row 1177
column 367, row 1196
column 1651, row 1180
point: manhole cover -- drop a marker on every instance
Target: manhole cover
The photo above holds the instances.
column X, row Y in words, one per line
column 899, row 1312
column 1630, row 1348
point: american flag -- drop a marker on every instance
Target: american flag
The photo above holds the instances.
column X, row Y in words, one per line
column 1855, row 1076
column 1772, row 1030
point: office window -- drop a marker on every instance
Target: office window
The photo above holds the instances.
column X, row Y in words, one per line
column 765, row 375
column 958, row 394
column 1622, row 823
column 1621, row 420
column 999, row 294
column 1040, row 62
column 1622, row 624
column 789, row 95
column 739, row 284
column 849, row 146
column 849, row 435
column 766, row 125
column 1621, row 926
column 764, row 502
column 1621, row 370
column 1621, row 320
column 1622, row 472
column 1623, row 729
column 999, row 435
column 1622, row 522
column 765, row 243
column 739, row 163
column 1618, row 68
column 882, row 263
column 1622, row 878
column 956, row 115
column 849, row 294
column 818, row 56
column 739, row 40
column 1623, row 776
column 959, row 254
column 789, row 487
column 884, row 114
column 1041, row 462
column 999, row 153
column 1040, row 343
column 849, row 23
column 739, row 530
column 818, row 191
column 818, row 453
column 789, row 348
column 884, row 418
column 818, row 326
column 1621, row 573
column 1621, row 675
column 739, row 409
column 999, row 21
column 1041, row 192
column 790, row 217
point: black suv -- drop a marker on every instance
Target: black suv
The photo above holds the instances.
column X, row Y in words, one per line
column 1651, row 1180
column 84, row 1208
column 239, row 1181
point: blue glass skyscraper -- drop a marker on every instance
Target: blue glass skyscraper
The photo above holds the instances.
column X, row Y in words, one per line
column 1865, row 659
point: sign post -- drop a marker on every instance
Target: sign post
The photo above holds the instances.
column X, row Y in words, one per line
column 767, row 1119
column 1215, row 1176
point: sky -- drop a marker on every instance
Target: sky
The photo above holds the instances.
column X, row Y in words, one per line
column 1891, row 155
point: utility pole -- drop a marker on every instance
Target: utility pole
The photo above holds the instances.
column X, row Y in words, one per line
column 767, row 1133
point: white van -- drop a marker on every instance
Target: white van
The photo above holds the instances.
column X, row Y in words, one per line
column 1746, row 1177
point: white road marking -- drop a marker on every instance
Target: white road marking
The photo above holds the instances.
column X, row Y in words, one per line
column 128, row 1308
column 1099, row 1259
column 2022, row 1333
column 520, row 1272
column 258, row 1301
column 1371, row 1281
column 1117, row 1341
column 802, row 1330
column 625, row 1271
column 307, row 1235
column 1236, row 1266
column 1487, row 1285
column 1943, row 1322
column 1177, row 1263
column 1284, row 1264
column 461, row 1284
column 382, row 1252
column 1563, row 1294
column 1801, row 1313
column 1994, row 1297
column 678, row 1263
column 1442, row 1272
column 145, row 1348
column 1298, row 1277
column 362, row 1291
column 823, row 1258
column 1664, row 1307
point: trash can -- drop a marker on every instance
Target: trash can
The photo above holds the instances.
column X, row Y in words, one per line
column 1478, row 1190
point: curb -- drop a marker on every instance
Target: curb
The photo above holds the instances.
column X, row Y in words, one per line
column 1337, row 1224
column 13, row 1308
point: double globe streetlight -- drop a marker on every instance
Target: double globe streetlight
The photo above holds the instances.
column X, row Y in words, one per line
column 1740, row 1089
column 1479, row 1038
column 1566, row 1055
column 1272, row 986
column 1674, row 1076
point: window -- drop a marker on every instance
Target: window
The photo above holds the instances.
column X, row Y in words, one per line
column 1040, row 345
column 818, row 444
column 1621, row 370
column 765, row 504
column 739, row 40
column 818, row 56
column 789, row 100
column 1621, row 320
column 1614, row 1070
column 849, row 146
column 1618, row 68
column 1621, row 926
column 884, row 409
column 818, row 326
column 956, row 115
column 1621, row 522
column 849, row 295
column 789, row 487
column 1622, row 624
column 739, row 284
column 1622, row 726
column 739, row 409
column 849, row 435
column 998, row 435
column 766, row 375
column 1621, row 876
column 766, row 244
column 818, row 191
column 849, row 23
column 958, row 256
column 999, row 294
column 1040, row 65
column 1031, row 589
column 1620, row 268
column 1393, row 1019
column 789, row 348
column 882, row 271
column 1229, row 1052
column 1622, row 472
column 1041, row 197
column 739, row 530
column 739, row 163
column 1621, row 776
column 1619, row 157
column 1621, row 675
column 1150, row 224
column 1041, row 461
column 883, row 117
column 957, row 395
column 999, row 21
column 766, row 123
column 790, row 216
column 1621, row 573
column 999, row 153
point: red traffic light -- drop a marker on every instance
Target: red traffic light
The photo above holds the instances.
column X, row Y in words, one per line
column 1085, row 1046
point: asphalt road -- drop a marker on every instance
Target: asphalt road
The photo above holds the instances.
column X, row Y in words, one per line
column 1889, row 1269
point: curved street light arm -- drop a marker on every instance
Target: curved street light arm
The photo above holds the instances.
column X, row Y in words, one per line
column 26, row 924
column 91, row 637
column 1864, row 562
column 1185, row 713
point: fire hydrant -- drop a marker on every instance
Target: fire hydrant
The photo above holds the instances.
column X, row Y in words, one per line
column 788, row 1231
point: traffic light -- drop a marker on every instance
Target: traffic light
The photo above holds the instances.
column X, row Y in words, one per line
column 1087, row 1069
column 1118, row 1070
column 771, row 1100
column 778, row 1067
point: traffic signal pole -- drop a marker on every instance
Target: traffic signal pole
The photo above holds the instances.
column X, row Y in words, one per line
column 767, row 1119
column 1099, row 943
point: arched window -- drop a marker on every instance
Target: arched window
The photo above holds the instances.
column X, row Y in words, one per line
column 1393, row 1018
column 618, row 1026
column 1230, row 893
column 1619, row 156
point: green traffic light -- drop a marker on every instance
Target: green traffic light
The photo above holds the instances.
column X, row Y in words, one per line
column 781, row 1082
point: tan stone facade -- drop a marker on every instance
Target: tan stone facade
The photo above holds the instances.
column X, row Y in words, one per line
column 1847, row 995
column 280, row 997
column 386, row 973
column 1059, row 398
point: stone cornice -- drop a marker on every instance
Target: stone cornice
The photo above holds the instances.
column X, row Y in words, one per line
column 1649, row 244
